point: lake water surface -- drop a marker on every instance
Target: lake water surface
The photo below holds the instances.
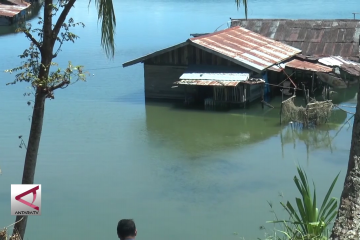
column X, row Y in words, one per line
column 106, row 154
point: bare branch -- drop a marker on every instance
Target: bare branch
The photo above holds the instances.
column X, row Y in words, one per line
column 60, row 85
column 61, row 19
column 28, row 34
column 15, row 222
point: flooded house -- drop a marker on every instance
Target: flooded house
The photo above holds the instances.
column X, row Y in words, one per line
column 330, row 49
column 228, row 66
column 14, row 11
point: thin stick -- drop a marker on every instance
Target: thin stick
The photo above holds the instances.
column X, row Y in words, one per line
column 282, row 86
column 347, row 106
column 15, row 223
column 343, row 109
column 342, row 127
column 267, row 104
column 288, row 99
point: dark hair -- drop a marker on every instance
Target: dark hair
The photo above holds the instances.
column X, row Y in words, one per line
column 126, row 228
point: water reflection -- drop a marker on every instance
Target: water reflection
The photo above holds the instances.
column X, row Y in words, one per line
column 196, row 132
column 348, row 95
column 317, row 138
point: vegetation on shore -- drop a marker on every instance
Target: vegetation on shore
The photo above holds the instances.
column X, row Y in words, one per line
column 306, row 221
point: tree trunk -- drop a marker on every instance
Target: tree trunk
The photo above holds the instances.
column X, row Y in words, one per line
column 38, row 112
column 347, row 223
column 32, row 151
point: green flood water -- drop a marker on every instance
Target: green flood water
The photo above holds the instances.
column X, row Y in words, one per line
column 106, row 154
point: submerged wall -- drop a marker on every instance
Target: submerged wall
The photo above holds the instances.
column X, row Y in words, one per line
column 159, row 82
column 160, row 72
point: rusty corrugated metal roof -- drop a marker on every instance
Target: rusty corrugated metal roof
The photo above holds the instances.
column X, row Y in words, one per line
column 248, row 48
column 350, row 67
column 308, row 66
column 12, row 10
column 18, row 2
column 336, row 61
column 313, row 37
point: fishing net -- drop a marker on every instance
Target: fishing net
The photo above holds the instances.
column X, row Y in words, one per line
column 315, row 112
column 4, row 236
column 4, row 233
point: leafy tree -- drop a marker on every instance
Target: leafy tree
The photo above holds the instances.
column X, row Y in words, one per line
column 36, row 69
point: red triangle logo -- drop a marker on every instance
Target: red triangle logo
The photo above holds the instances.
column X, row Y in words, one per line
column 33, row 191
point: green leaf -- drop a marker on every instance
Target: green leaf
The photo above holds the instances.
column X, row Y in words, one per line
column 328, row 195
column 301, row 209
column 314, row 209
column 332, row 209
column 293, row 212
column 331, row 218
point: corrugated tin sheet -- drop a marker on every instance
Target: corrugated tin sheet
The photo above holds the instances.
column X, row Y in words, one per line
column 247, row 48
column 18, row 2
column 335, row 61
column 208, row 83
column 212, row 79
column 216, row 76
column 313, row 37
column 350, row 67
column 254, row 81
column 308, row 66
column 12, row 10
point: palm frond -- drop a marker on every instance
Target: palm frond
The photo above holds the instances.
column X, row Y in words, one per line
column 245, row 3
column 106, row 15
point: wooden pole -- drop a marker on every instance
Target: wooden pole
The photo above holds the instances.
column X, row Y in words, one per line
column 214, row 94
column 226, row 93
column 281, row 111
column 281, row 106
column 307, row 96
column 186, row 98
column 305, row 93
column 262, row 96
column 312, row 84
column 245, row 97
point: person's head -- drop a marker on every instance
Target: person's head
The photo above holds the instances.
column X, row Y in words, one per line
column 126, row 229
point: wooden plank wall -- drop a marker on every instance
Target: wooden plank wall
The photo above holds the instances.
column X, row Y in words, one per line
column 159, row 82
column 161, row 71
column 188, row 55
